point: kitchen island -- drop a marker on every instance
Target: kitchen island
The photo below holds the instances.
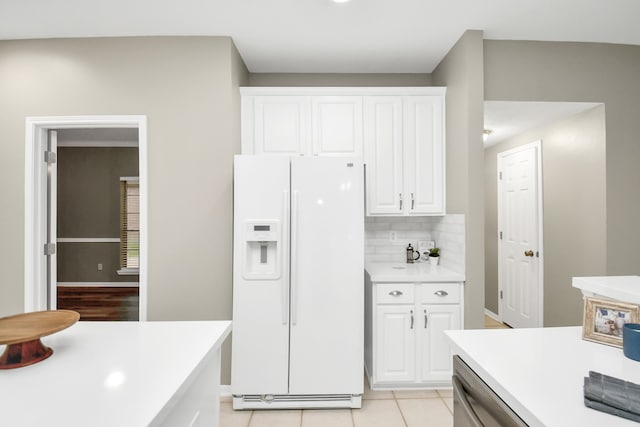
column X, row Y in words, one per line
column 539, row 372
column 125, row 374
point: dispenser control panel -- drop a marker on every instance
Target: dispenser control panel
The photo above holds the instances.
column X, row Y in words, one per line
column 261, row 232
column 262, row 250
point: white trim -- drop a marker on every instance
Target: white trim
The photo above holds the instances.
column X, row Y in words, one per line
column 88, row 240
column 118, row 144
column 362, row 91
column 33, row 210
column 492, row 315
column 104, row 284
column 128, row 271
column 538, row 146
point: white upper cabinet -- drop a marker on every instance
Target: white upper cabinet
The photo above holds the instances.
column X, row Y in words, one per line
column 279, row 125
column 383, row 133
column 400, row 132
column 405, row 154
column 301, row 121
column 424, row 155
column 337, row 125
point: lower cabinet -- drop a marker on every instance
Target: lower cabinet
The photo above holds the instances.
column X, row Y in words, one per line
column 405, row 345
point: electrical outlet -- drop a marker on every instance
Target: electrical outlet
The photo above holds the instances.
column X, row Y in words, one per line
column 99, row 267
column 393, row 236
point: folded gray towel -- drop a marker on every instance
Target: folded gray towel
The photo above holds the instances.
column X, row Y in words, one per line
column 599, row 406
column 613, row 392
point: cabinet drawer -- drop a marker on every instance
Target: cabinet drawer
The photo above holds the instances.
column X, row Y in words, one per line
column 394, row 293
column 442, row 293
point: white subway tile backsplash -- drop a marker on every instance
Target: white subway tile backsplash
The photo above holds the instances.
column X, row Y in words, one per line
column 447, row 231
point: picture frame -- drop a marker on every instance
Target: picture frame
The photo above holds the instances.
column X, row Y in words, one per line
column 604, row 319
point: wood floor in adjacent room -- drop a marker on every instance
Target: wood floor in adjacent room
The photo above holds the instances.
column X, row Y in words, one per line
column 100, row 303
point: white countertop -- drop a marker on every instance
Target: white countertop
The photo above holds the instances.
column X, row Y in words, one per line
column 107, row 373
column 416, row 272
column 622, row 288
column 540, row 372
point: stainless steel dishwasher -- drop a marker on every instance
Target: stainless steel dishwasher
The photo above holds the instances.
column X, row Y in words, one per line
column 475, row 404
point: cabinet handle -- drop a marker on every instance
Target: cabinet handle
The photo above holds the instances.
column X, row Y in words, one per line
column 441, row 293
column 395, row 293
column 426, row 320
column 400, row 195
column 411, row 319
column 412, row 201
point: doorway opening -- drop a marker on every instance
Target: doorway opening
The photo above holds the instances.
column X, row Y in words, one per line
column 573, row 189
column 81, row 253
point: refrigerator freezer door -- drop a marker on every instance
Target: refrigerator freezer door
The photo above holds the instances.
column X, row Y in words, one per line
column 260, row 358
column 327, row 269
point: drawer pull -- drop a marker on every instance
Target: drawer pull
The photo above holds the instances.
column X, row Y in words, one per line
column 395, row 293
column 411, row 319
column 441, row 293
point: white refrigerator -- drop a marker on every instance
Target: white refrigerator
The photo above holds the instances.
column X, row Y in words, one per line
column 298, row 282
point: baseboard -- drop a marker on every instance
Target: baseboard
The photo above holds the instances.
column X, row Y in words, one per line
column 491, row 314
column 225, row 393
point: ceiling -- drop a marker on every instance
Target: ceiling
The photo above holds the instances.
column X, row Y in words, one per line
column 362, row 36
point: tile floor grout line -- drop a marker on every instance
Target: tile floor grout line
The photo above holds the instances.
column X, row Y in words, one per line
column 447, row 406
column 250, row 417
column 400, row 409
column 353, row 420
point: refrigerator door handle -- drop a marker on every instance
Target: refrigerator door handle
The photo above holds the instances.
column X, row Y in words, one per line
column 294, row 257
column 284, row 257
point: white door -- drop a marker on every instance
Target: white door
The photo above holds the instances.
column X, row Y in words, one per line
column 337, row 125
column 435, row 349
column 260, row 358
column 395, row 343
column 327, row 264
column 383, row 154
column 280, row 125
column 520, row 238
column 424, row 155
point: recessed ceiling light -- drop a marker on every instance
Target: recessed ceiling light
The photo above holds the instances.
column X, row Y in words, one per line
column 340, row 1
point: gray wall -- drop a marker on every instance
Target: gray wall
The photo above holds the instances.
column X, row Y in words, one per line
column 314, row 79
column 589, row 72
column 89, row 206
column 573, row 162
column 187, row 88
column 462, row 73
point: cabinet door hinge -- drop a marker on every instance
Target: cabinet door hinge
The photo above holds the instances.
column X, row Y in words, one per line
column 501, row 235
column 500, row 294
column 500, row 176
column 537, row 254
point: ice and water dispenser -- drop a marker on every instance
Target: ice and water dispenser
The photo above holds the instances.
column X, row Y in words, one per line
column 262, row 250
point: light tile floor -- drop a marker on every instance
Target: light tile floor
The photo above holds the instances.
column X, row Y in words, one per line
column 413, row 408
column 379, row 408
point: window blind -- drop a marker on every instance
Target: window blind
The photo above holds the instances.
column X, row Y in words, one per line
column 129, row 223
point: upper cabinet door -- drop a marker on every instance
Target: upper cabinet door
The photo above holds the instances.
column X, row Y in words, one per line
column 424, row 155
column 280, row 125
column 337, row 125
column 383, row 154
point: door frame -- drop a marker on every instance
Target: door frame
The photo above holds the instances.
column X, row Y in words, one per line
column 538, row 147
column 35, row 193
